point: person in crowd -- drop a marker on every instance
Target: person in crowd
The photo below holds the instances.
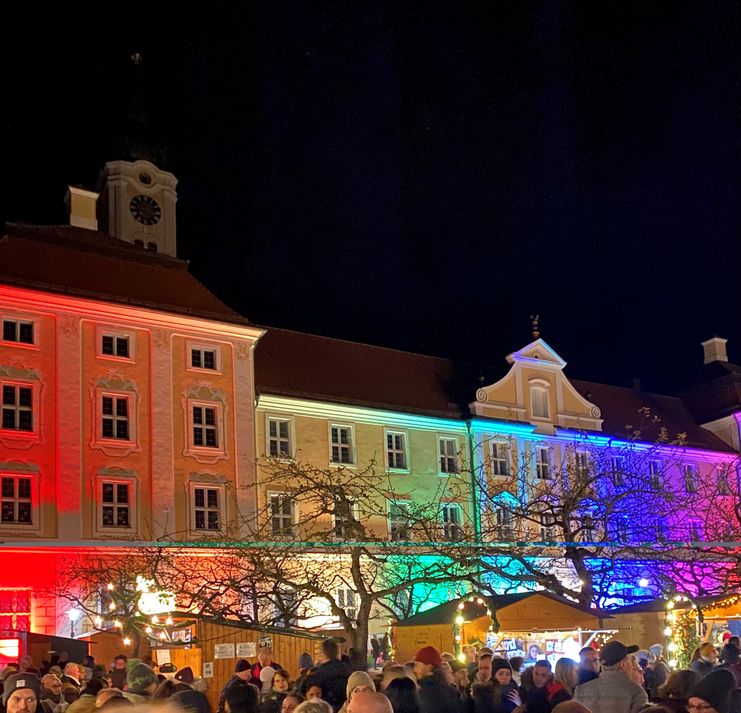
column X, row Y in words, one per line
column 70, row 693
column 331, row 674
column 266, row 680
column 51, row 692
column 168, row 688
column 60, row 659
column 86, row 702
column 315, row 705
column 675, row 693
column 141, row 683
column 657, row 670
column 460, row 678
column 190, row 701
column 390, row 672
column 589, row 665
column 242, row 673
column 565, row 676
column 168, row 670
column 185, row 675
column 272, row 701
column 291, row 702
column 712, row 693
column 484, row 671
column 114, row 702
column 370, row 702
column 571, row 707
column 517, row 662
column 26, row 664
column 241, row 697
column 634, row 671
column 73, row 674
column 435, row 694
column 613, row 691
column 357, row 682
column 21, row 693
column 264, row 659
column 534, row 687
column 312, row 690
column 118, row 671
column 730, row 657
column 105, row 694
column 402, row 694
column 704, row 659
column 409, row 669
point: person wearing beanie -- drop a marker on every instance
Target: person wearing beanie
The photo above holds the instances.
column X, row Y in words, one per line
column 242, row 673
column 713, row 690
column 241, row 697
column 506, row 694
column 21, row 693
column 118, row 671
column 141, row 683
column 185, row 675
column 358, row 681
column 436, row 695
column 190, row 702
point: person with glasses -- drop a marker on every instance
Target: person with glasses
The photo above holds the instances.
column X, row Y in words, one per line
column 51, row 692
column 712, row 694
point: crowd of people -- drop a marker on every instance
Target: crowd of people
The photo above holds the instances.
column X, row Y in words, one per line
column 615, row 679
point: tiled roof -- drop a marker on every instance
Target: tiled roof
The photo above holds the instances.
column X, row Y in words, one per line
column 88, row 263
column 313, row 367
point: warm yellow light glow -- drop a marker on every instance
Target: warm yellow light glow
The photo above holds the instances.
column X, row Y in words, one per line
column 461, row 605
column 462, row 657
column 98, row 620
column 671, row 646
column 668, row 631
column 117, row 624
column 169, row 621
column 163, row 636
column 459, row 620
column 672, row 663
column 155, row 619
column 112, row 606
column 457, row 637
column 110, row 587
column 148, row 630
column 127, row 641
column 670, row 605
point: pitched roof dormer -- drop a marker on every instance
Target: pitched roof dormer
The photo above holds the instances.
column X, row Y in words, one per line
column 536, row 391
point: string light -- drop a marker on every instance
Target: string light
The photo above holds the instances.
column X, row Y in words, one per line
column 110, row 587
column 148, row 630
column 127, row 641
column 163, row 636
column 118, row 624
column 112, row 606
column 168, row 621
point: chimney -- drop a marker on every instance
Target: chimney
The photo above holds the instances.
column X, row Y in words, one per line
column 715, row 350
column 81, row 207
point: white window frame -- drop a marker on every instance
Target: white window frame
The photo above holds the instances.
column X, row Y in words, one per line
column 112, row 530
column 655, row 474
column 337, row 522
column 202, row 348
column 504, row 521
column 452, row 531
column 581, row 463
column 540, row 389
column 217, row 428
column 617, row 470
column 194, row 509
column 408, row 527
column 130, row 417
column 543, row 466
column 116, row 334
column 404, row 450
column 19, row 320
column 283, row 531
column 547, row 525
column 347, row 599
column 279, row 438
column 350, row 429
column 501, row 458
column 691, row 475
column 587, row 526
column 35, row 524
column 445, row 459
column 17, row 408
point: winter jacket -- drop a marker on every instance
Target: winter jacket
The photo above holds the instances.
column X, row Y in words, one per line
column 332, row 677
column 437, row 696
column 612, row 692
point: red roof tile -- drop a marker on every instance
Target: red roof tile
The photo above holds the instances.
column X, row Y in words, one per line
column 88, row 263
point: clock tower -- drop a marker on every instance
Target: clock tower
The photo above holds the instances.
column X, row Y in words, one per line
column 137, row 204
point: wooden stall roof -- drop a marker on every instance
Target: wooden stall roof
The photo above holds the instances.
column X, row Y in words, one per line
column 524, row 611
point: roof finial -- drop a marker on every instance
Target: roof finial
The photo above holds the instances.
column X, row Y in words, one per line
column 534, row 319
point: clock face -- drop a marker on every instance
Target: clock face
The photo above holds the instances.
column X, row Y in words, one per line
column 145, row 210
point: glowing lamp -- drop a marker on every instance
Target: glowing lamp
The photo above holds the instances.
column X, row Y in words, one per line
column 148, row 630
column 169, row 621
column 118, row 624
column 457, row 637
column 671, row 646
column 668, row 631
column 155, row 619
column 127, row 641
column 110, row 587
column 459, row 620
column 462, row 657
column 670, row 605
column 673, row 663
column 479, row 601
column 9, row 650
column 461, row 605
column 74, row 614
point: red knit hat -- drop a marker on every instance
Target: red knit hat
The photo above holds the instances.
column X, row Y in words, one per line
column 429, row 655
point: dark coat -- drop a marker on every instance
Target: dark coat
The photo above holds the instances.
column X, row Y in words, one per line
column 332, row 677
column 437, row 696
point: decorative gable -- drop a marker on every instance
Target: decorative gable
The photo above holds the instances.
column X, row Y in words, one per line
column 537, row 391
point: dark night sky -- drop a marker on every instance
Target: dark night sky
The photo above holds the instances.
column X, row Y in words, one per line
column 420, row 175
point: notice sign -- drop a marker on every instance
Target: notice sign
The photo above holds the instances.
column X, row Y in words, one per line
column 163, row 656
column 247, row 650
column 208, row 670
column 223, row 651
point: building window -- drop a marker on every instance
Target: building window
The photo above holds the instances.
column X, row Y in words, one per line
column 543, row 463
column 724, row 486
column 396, row 450
column 662, row 529
column 500, row 458
column 15, row 609
column 16, row 502
column 694, row 528
column 621, row 528
column 691, row 482
column 581, row 464
column 448, row 452
column 547, row 527
column 655, row 469
column 279, row 438
column 115, row 417
column 206, row 508
column 586, row 529
column 17, row 407
column 18, row 331
column 617, row 470
column 116, row 504
column 281, row 514
column 341, row 445
column 205, row 426
column 202, row 357
column 539, row 402
column 505, row 522
column 346, row 514
column 347, row 599
column 115, row 345
column 399, row 529
column 452, row 521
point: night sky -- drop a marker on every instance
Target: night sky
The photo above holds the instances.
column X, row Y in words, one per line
column 419, row 175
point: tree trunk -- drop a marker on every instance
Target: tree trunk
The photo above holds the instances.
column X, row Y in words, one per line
column 360, row 637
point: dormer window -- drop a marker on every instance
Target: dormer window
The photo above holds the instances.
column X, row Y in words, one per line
column 539, row 405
